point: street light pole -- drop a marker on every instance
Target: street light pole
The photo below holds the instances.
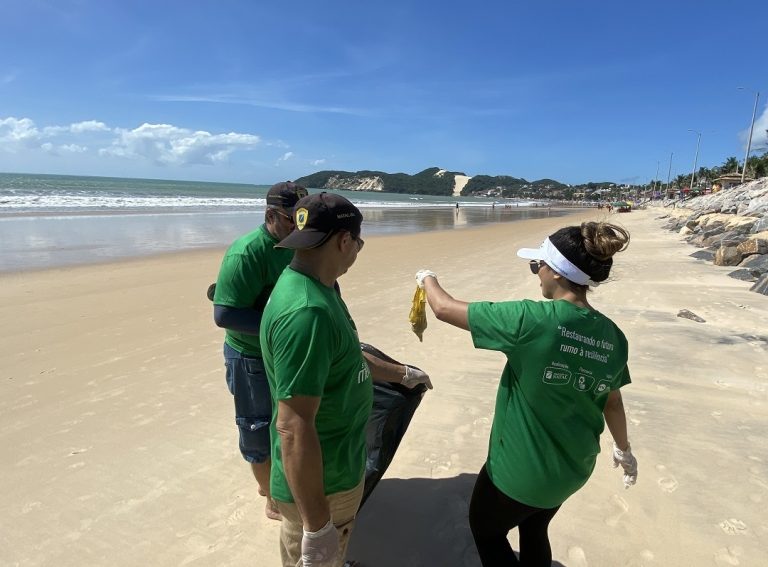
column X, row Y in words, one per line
column 749, row 140
column 669, row 172
column 696, row 157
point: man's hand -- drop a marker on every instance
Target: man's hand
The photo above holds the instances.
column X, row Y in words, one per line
column 421, row 274
column 320, row 548
column 414, row 376
column 628, row 462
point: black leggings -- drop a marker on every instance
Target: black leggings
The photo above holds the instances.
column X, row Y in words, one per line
column 492, row 514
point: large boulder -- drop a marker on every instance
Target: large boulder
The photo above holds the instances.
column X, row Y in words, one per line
column 727, row 256
column 760, row 225
column 723, row 238
column 756, row 263
column 708, row 255
column 743, row 274
column 753, row 246
column 761, row 285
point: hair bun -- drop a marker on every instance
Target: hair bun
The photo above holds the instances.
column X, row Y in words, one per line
column 602, row 240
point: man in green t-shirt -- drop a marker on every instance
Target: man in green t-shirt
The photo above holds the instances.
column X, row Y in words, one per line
column 247, row 275
column 320, row 383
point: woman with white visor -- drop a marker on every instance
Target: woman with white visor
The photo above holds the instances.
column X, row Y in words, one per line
column 565, row 364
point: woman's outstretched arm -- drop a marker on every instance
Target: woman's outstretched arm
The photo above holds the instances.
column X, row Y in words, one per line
column 445, row 307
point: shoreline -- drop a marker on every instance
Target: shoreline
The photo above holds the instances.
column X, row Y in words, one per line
column 137, row 462
column 199, row 235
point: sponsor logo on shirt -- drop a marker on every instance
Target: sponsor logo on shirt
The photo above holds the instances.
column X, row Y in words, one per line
column 556, row 376
column 364, row 374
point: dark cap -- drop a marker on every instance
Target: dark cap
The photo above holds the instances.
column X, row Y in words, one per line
column 317, row 217
column 285, row 195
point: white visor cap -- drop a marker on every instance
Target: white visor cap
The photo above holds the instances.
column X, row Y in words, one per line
column 550, row 255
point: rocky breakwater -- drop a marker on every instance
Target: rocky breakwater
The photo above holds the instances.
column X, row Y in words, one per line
column 731, row 227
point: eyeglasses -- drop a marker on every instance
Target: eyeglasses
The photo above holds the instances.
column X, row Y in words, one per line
column 289, row 218
column 535, row 266
column 360, row 241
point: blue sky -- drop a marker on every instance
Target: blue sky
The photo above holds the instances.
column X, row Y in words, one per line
column 257, row 92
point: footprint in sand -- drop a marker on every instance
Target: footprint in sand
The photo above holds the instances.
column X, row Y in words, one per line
column 576, row 557
column 717, row 415
column 722, row 385
column 668, row 483
column 621, row 507
column 728, row 556
column 732, row 526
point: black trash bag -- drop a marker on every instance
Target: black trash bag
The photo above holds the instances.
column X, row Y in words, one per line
column 393, row 408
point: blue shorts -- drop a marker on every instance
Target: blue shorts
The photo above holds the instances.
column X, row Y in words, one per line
column 247, row 380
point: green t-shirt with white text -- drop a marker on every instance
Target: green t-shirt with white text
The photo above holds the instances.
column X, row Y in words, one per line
column 247, row 275
column 562, row 362
column 310, row 348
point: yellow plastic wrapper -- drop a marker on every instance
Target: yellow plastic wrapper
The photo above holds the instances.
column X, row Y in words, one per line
column 418, row 314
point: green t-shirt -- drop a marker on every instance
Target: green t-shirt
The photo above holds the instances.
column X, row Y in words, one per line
column 247, row 275
column 310, row 348
column 562, row 361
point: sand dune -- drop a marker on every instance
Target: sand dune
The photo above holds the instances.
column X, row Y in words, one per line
column 459, row 181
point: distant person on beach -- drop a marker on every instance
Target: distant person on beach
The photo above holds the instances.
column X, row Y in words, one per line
column 247, row 275
column 560, row 386
column 322, row 386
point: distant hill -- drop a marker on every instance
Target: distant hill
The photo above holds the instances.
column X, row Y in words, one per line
column 431, row 181
column 436, row 181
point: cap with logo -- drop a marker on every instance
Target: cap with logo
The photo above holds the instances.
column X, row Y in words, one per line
column 285, row 195
column 319, row 216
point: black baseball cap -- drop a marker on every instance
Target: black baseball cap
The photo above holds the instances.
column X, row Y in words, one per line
column 319, row 216
column 285, row 195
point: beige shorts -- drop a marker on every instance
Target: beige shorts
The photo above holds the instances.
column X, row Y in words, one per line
column 343, row 505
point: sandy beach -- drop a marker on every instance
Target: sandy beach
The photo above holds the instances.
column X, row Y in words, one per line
column 120, row 448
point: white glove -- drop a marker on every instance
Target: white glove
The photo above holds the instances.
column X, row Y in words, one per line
column 320, row 548
column 421, row 274
column 628, row 462
column 414, row 376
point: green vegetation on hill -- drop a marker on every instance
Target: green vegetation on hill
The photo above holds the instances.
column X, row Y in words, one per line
column 426, row 182
column 506, row 186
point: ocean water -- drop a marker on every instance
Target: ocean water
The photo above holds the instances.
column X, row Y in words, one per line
column 55, row 220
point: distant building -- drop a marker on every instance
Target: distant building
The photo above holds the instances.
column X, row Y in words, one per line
column 729, row 180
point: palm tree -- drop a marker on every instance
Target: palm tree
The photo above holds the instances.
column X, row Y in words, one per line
column 730, row 165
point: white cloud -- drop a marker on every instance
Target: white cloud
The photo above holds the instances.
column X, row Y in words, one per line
column 55, row 150
column 88, row 126
column 16, row 132
column 165, row 144
column 760, row 135
column 161, row 144
column 317, row 161
column 285, row 157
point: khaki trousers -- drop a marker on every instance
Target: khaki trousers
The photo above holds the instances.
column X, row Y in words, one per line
column 343, row 505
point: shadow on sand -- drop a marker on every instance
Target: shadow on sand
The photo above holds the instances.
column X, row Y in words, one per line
column 417, row 522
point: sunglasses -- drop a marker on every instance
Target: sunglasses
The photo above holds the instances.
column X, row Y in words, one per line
column 360, row 241
column 289, row 218
column 535, row 266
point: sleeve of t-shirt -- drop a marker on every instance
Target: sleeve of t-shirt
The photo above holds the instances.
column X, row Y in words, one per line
column 240, row 281
column 302, row 347
column 622, row 379
column 496, row 326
